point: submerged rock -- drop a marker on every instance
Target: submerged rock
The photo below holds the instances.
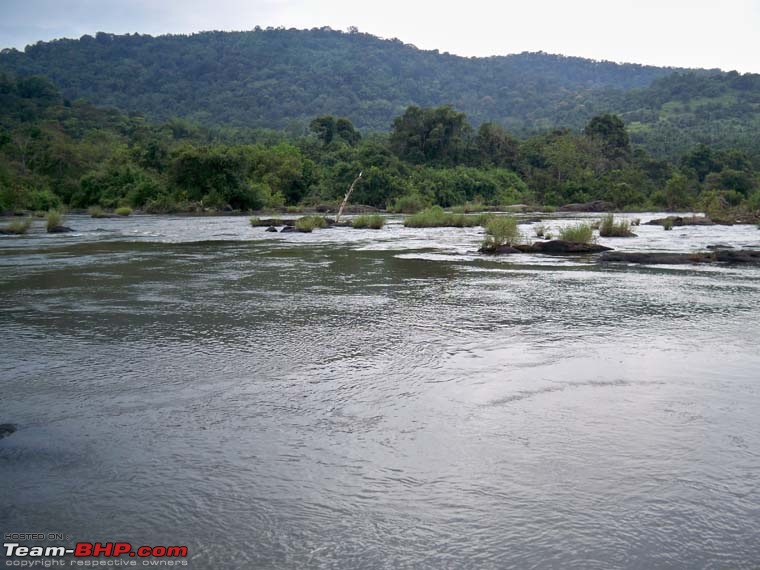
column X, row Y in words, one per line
column 501, row 249
column 59, row 230
column 6, row 430
column 739, row 256
column 288, row 229
column 271, row 229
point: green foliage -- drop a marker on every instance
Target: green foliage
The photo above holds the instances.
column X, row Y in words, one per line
column 123, row 211
column 373, row 222
column 308, row 223
column 437, row 217
column 97, row 212
column 611, row 228
column 18, row 227
column 667, row 224
column 501, row 230
column 54, row 220
column 579, row 233
column 410, row 204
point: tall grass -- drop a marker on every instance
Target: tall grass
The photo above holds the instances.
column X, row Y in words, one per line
column 123, row 211
column 610, row 228
column 18, row 227
column 373, row 222
column 96, row 212
column 501, row 230
column 577, row 233
column 436, row 217
column 309, row 223
column 667, row 224
column 54, row 220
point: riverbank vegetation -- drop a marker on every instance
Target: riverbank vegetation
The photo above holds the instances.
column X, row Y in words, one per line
column 609, row 227
column 58, row 153
column 577, row 233
column 371, row 221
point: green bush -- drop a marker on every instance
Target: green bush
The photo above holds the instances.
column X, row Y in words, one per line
column 578, row 233
column 501, row 230
column 610, row 228
column 54, row 220
column 667, row 224
column 373, row 222
column 309, row 223
column 436, row 217
column 124, row 211
column 96, row 212
column 18, row 227
column 409, row 204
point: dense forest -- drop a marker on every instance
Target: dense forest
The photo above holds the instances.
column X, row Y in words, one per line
column 57, row 152
column 282, row 79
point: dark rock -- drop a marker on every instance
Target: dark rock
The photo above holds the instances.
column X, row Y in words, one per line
column 288, row 229
column 499, row 250
column 6, row 430
column 272, row 222
column 271, row 229
column 561, row 247
column 59, row 230
column 682, row 221
column 730, row 256
column 720, row 246
column 595, row 206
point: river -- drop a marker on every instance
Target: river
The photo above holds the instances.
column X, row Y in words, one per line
column 380, row 399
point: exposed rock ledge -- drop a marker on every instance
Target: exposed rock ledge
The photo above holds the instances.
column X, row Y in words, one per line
column 739, row 256
column 552, row 247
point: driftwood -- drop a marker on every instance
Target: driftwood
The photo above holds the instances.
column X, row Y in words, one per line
column 348, row 194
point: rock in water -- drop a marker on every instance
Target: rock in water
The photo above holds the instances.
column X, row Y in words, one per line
column 271, row 229
column 6, row 430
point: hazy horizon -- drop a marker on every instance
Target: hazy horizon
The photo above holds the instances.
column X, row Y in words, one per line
column 678, row 34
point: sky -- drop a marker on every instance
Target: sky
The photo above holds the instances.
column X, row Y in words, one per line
column 695, row 33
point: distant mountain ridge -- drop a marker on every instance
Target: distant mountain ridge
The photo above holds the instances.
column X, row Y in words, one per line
column 282, row 78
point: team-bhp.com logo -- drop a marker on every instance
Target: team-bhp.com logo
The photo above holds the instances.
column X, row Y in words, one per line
column 18, row 552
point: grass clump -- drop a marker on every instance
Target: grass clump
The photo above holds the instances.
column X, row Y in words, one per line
column 123, row 211
column 501, row 231
column 54, row 220
column 309, row 223
column 436, row 217
column 610, row 228
column 372, row 222
column 97, row 212
column 667, row 224
column 577, row 233
column 18, row 227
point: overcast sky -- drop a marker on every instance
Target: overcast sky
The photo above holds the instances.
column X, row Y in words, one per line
column 694, row 33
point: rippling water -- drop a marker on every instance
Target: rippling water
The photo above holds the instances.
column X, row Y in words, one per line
column 391, row 399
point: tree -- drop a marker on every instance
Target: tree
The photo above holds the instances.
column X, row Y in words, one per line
column 609, row 132
column 435, row 135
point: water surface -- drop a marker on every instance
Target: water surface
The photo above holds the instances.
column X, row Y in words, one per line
column 390, row 399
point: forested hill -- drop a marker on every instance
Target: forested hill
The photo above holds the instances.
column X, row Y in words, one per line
column 271, row 78
column 282, row 79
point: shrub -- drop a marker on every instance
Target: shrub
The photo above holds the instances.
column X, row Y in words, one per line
column 309, row 223
column 501, row 230
column 409, row 204
column 436, row 217
column 667, row 224
column 124, row 211
column 577, row 233
column 373, row 222
column 610, row 228
column 54, row 220
column 96, row 212
column 18, row 227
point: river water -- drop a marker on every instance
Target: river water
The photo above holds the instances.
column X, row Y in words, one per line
column 380, row 399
